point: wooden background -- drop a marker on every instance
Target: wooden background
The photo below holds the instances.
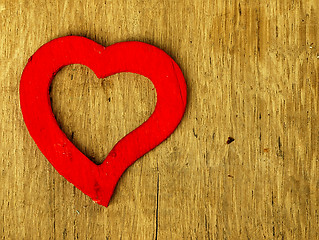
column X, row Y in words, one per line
column 251, row 68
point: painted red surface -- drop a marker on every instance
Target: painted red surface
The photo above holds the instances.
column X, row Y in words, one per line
column 99, row 181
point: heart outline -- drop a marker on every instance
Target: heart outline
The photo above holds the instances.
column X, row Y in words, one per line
column 99, row 181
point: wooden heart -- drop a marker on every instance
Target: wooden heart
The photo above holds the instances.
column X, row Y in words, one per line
column 99, row 181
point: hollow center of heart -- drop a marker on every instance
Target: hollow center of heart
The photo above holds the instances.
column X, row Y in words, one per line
column 96, row 113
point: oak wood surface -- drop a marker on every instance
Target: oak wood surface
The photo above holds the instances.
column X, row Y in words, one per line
column 252, row 73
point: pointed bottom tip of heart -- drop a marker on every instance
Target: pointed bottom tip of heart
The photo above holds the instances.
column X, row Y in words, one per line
column 102, row 202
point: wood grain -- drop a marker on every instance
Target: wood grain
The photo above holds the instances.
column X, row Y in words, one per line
column 252, row 73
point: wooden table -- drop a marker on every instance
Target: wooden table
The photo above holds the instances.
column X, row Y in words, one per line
column 252, row 73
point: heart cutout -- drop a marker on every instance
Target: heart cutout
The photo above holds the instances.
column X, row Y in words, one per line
column 99, row 181
column 85, row 106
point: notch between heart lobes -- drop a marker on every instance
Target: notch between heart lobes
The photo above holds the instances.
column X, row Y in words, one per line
column 99, row 181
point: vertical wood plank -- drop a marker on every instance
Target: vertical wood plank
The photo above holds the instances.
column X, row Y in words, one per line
column 252, row 74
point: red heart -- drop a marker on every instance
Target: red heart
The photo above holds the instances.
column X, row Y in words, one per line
column 99, row 181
